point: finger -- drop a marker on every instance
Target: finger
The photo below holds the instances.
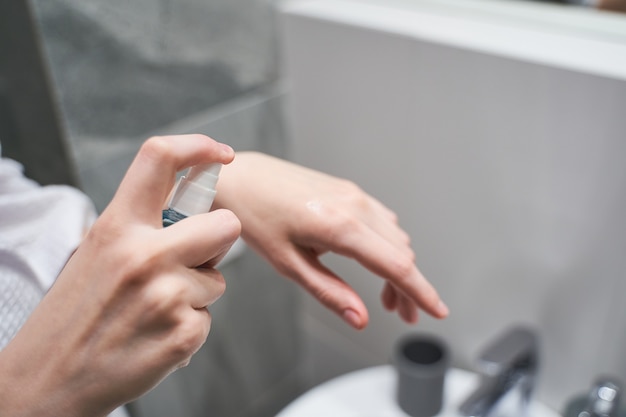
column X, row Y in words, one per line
column 393, row 299
column 407, row 309
column 389, row 297
column 391, row 232
column 195, row 333
column 389, row 214
column 385, row 222
column 204, row 239
column 328, row 288
column 150, row 177
column 207, row 285
column 385, row 260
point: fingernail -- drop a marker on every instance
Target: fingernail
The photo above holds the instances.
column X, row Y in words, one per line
column 352, row 318
column 442, row 309
column 227, row 148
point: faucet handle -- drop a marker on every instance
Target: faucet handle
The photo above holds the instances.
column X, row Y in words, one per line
column 603, row 399
column 517, row 347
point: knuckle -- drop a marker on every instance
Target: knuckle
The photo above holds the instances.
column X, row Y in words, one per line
column 353, row 193
column 220, row 284
column 349, row 187
column 406, row 239
column 139, row 266
column 190, row 335
column 185, row 345
column 332, row 219
column 340, row 228
column 162, row 298
column 122, row 253
column 345, row 223
column 156, row 146
column 217, row 287
column 157, row 149
column 402, row 267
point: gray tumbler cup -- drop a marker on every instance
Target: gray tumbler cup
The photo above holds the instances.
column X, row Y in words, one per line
column 421, row 362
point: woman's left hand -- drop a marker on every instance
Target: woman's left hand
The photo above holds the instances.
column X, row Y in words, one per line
column 292, row 215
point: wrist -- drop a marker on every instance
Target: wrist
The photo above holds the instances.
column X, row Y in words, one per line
column 31, row 386
column 18, row 394
column 233, row 180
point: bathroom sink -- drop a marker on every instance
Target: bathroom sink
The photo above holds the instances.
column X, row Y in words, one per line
column 370, row 392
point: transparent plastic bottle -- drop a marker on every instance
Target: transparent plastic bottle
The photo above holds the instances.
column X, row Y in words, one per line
column 193, row 193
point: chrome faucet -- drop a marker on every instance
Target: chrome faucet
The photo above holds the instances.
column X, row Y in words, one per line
column 509, row 367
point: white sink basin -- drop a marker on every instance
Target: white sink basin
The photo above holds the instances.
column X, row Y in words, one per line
column 370, row 392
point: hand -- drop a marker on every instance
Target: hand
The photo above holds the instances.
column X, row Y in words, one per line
column 292, row 215
column 130, row 305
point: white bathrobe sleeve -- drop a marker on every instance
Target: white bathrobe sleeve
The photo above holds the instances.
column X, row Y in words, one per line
column 40, row 227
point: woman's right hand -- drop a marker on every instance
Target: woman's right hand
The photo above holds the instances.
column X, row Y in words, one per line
column 131, row 304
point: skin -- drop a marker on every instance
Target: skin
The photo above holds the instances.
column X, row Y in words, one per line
column 291, row 215
column 130, row 306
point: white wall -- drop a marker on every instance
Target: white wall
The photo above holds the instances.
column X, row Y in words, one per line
column 505, row 164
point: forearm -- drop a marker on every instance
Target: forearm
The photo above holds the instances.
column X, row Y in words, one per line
column 235, row 179
column 30, row 382
column 248, row 187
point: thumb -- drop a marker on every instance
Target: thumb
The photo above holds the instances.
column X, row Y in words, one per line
column 150, row 177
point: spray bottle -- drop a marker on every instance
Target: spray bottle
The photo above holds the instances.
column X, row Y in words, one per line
column 193, row 193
